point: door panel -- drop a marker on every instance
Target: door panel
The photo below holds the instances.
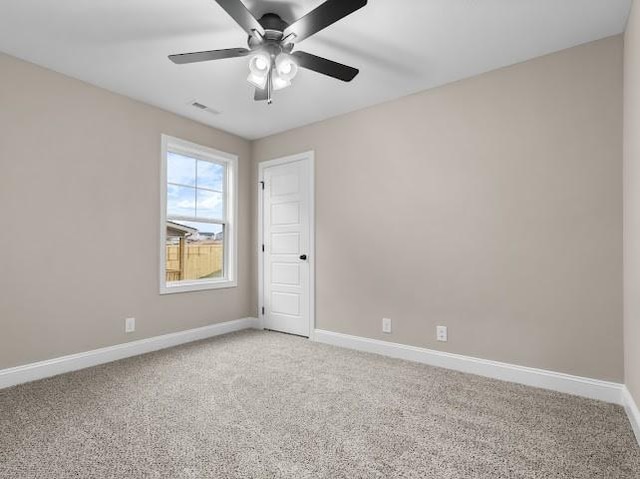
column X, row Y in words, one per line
column 285, row 214
column 285, row 243
column 285, row 303
column 284, row 273
column 286, row 236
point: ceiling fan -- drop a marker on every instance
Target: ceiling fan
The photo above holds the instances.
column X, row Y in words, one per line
column 273, row 62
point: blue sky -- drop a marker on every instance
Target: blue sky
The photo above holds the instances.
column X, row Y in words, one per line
column 187, row 200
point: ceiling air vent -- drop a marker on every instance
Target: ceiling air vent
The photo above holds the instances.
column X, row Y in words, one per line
column 203, row 107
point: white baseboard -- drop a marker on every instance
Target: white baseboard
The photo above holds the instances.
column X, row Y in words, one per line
column 561, row 382
column 632, row 411
column 73, row 362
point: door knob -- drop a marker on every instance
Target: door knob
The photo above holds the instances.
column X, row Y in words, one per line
column 303, row 257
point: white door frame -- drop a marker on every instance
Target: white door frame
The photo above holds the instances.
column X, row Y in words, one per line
column 310, row 157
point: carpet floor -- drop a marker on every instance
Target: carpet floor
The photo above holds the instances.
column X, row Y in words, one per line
column 260, row 404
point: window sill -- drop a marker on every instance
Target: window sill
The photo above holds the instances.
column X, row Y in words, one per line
column 187, row 287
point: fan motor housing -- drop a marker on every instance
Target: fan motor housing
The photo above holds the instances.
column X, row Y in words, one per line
column 273, row 27
column 272, row 21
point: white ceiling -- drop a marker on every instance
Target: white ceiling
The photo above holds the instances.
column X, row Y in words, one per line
column 400, row 47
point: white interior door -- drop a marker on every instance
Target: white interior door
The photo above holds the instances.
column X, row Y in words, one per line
column 286, row 259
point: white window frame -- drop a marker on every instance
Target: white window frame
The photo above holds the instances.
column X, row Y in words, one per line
column 230, row 259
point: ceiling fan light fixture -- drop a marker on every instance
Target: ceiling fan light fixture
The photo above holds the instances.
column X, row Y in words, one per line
column 259, row 64
column 279, row 83
column 286, row 67
column 259, row 81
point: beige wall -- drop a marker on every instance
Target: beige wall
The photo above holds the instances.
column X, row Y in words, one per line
column 492, row 206
column 632, row 203
column 79, row 178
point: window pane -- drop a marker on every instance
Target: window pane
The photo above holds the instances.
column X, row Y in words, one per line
column 209, row 205
column 194, row 251
column 181, row 201
column 210, row 175
column 181, row 169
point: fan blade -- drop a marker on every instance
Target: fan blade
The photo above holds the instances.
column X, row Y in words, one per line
column 260, row 95
column 242, row 16
column 329, row 12
column 324, row 66
column 207, row 56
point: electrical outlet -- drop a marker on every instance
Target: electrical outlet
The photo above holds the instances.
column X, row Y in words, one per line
column 129, row 325
column 441, row 333
column 386, row 325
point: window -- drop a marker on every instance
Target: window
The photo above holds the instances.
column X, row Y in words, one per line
column 198, row 205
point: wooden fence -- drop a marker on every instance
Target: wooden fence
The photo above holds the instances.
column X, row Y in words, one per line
column 200, row 260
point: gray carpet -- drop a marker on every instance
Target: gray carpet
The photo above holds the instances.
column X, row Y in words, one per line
column 267, row 405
